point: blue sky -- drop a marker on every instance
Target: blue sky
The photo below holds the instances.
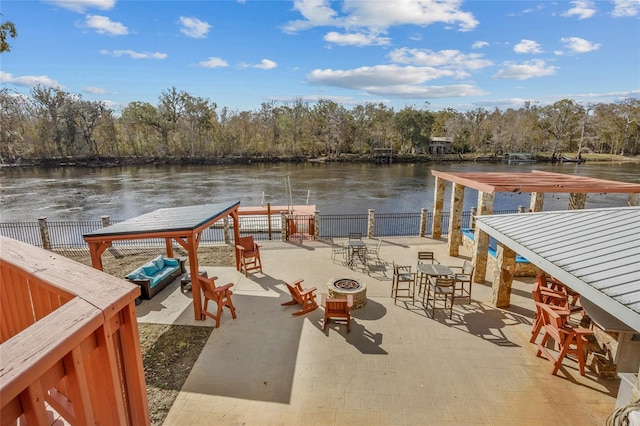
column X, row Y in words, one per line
column 239, row 54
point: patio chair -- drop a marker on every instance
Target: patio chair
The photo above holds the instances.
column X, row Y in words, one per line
column 355, row 235
column 249, row 253
column 404, row 281
column 425, row 257
column 443, row 290
column 557, row 285
column 304, row 297
column 337, row 308
column 555, row 299
column 464, row 280
column 375, row 251
column 338, row 250
column 570, row 340
column 220, row 295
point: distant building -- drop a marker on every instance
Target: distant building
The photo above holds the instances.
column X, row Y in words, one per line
column 441, row 145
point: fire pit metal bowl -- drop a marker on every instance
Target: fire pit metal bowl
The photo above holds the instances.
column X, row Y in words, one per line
column 339, row 288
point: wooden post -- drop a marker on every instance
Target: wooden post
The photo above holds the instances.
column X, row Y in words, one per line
column 438, row 205
column 503, row 276
column 371, row 223
column 44, row 233
column 455, row 219
column 423, row 222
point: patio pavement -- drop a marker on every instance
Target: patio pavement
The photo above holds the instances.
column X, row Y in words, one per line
column 397, row 366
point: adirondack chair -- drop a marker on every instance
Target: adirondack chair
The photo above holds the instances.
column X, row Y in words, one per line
column 555, row 299
column 304, row 297
column 249, row 253
column 337, row 308
column 220, row 295
column 570, row 339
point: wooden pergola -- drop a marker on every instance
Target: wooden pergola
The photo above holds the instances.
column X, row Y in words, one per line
column 182, row 224
column 487, row 184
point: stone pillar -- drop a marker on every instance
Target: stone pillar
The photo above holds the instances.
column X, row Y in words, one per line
column 634, row 199
column 537, row 201
column 285, row 224
column 472, row 221
column 577, row 200
column 438, row 205
column 44, row 233
column 455, row 219
column 521, row 209
column 503, row 276
column 225, row 227
column 371, row 223
column 423, row 222
column 481, row 239
column 316, row 228
column 105, row 221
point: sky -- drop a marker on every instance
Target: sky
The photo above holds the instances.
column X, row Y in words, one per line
column 432, row 54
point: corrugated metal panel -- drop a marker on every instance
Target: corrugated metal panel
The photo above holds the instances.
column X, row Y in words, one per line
column 594, row 251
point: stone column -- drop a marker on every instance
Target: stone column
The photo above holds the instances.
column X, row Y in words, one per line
column 105, row 221
column 225, row 225
column 423, row 222
column 284, row 226
column 521, row 209
column 44, row 233
column 316, row 228
column 537, row 201
column 503, row 276
column 455, row 219
column 438, row 205
column 634, row 199
column 577, row 200
column 472, row 221
column 481, row 239
column 371, row 223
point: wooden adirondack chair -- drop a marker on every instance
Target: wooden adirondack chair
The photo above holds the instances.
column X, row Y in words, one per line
column 249, row 253
column 337, row 308
column 304, row 297
column 220, row 295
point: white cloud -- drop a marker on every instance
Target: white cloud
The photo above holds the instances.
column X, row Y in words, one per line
column 379, row 15
column 193, row 27
column 356, row 39
column 104, row 25
column 95, row 90
column 479, row 44
column 28, row 80
column 524, row 71
column 134, row 55
column 81, row 5
column 266, row 64
column 214, row 63
column 579, row 45
column 527, row 46
column 392, row 80
column 444, row 58
column 625, row 8
column 583, row 9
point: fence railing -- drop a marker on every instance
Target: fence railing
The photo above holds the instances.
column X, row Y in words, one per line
column 68, row 235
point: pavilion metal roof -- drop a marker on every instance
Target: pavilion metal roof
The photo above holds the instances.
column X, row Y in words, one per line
column 596, row 252
column 536, row 181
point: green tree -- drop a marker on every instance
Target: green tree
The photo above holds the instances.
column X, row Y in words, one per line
column 7, row 29
column 415, row 126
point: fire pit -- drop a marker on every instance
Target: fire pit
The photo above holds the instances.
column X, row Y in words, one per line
column 339, row 288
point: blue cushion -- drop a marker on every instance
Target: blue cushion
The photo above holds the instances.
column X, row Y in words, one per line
column 171, row 262
column 134, row 275
column 150, row 268
column 159, row 262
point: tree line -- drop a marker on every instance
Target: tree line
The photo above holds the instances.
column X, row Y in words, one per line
column 51, row 123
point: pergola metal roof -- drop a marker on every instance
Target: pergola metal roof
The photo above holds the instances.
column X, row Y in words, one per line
column 536, row 181
column 182, row 224
column 596, row 252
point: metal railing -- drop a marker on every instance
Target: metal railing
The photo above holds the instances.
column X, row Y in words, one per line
column 68, row 235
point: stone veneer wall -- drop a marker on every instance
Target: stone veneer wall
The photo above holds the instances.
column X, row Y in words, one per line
column 521, row 270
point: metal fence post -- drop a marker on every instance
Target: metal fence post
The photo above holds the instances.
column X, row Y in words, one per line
column 423, row 222
column 44, row 233
column 225, row 225
column 372, row 222
column 316, row 227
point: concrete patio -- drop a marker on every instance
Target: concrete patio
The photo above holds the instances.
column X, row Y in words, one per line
column 397, row 366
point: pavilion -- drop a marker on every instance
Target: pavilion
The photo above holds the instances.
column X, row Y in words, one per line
column 182, row 224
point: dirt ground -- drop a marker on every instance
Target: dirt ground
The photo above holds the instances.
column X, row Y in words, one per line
column 168, row 351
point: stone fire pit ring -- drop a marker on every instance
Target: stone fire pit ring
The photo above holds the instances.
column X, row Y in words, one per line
column 339, row 288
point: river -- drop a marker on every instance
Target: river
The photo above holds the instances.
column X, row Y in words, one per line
column 71, row 194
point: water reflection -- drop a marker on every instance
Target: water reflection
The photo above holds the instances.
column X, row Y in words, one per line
column 125, row 192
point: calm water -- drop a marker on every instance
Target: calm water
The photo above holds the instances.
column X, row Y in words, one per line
column 65, row 194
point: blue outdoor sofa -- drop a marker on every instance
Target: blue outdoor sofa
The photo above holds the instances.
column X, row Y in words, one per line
column 156, row 274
